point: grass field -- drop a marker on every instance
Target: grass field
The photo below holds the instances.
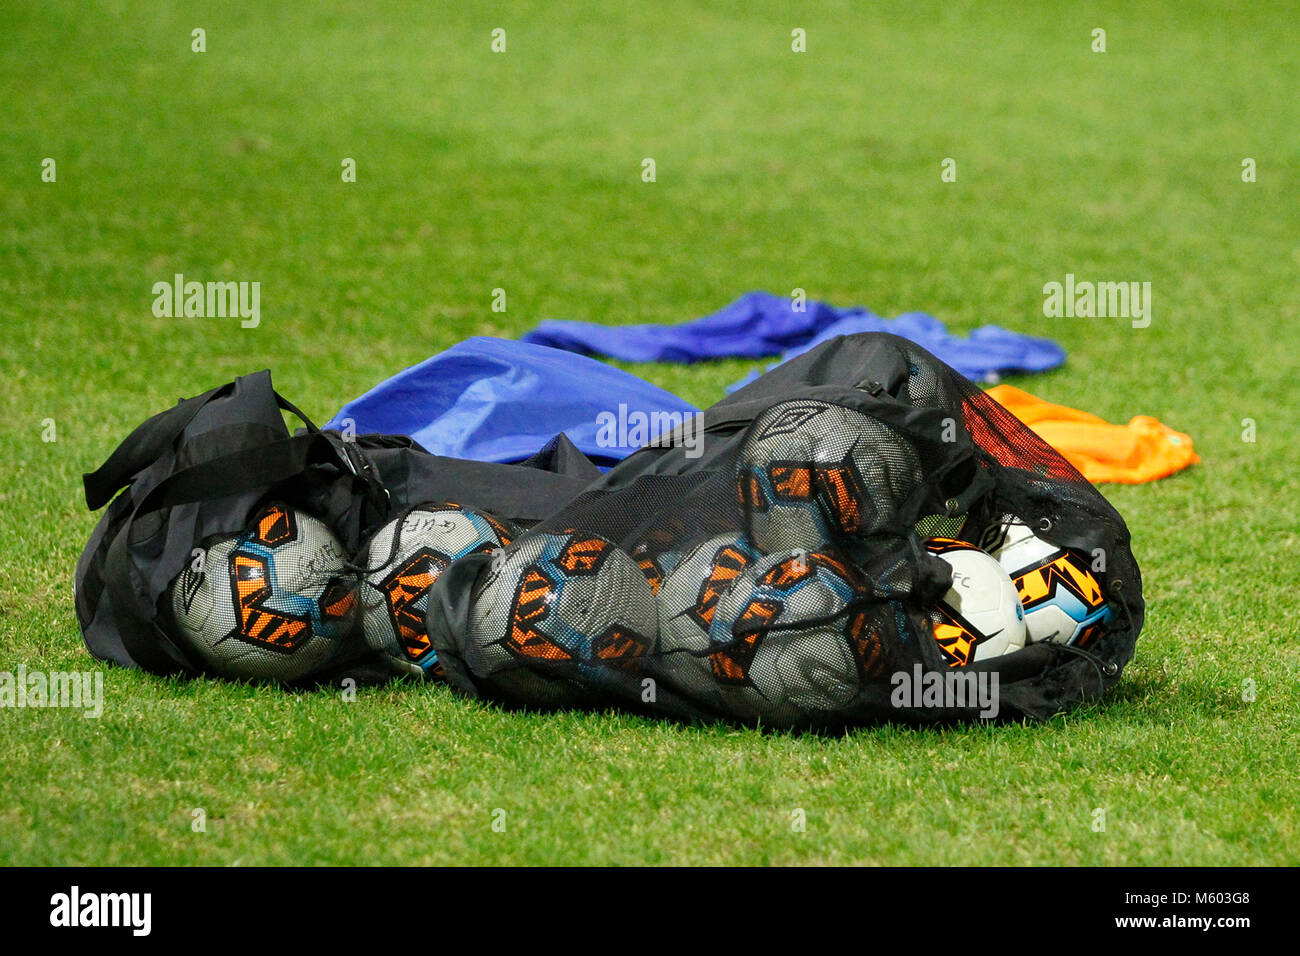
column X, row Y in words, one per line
column 775, row 170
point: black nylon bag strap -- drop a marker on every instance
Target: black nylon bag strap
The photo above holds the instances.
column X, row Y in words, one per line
column 294, row 410
column 89, row 582
column 151, row 438
column 145, row 643
column 243, row 470
column 143, row 446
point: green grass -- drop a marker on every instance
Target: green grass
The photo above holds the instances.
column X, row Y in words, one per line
column 775, row 170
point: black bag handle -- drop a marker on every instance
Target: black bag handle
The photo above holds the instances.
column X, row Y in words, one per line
column 242, row 470
column 143, row 446
column 153, row 437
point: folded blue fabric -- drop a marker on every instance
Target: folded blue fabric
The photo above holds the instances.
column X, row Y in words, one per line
column 492, row 399
column 984, row 356
column 759, row 324
column 756, row 325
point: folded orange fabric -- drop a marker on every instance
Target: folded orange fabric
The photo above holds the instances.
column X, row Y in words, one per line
column 1143, row 450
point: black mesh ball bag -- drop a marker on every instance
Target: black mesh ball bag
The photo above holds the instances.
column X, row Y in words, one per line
column 778, row 562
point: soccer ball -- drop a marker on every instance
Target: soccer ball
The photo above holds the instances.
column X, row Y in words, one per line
column 790, row 641
column 688, row 601
column 980, row 616
column 561, row 601
column 405, row 557
column 689, row 596
column 811, row 473
column 658, row 551
column 656, row 561
column 1061, row 596
column 274, row 603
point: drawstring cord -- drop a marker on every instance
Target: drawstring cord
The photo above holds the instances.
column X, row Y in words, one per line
column 1103, row 667
column 361, row 571
column 366, row 473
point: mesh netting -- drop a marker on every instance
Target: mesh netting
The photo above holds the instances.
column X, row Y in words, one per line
column 781, row 576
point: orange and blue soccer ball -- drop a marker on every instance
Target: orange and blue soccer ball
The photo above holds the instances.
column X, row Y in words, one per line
column 274, row 603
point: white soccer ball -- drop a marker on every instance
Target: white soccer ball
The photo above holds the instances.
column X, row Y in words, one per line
column 405, row 557
column 980, row 616
column 1061, row 595
column 274, row 603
